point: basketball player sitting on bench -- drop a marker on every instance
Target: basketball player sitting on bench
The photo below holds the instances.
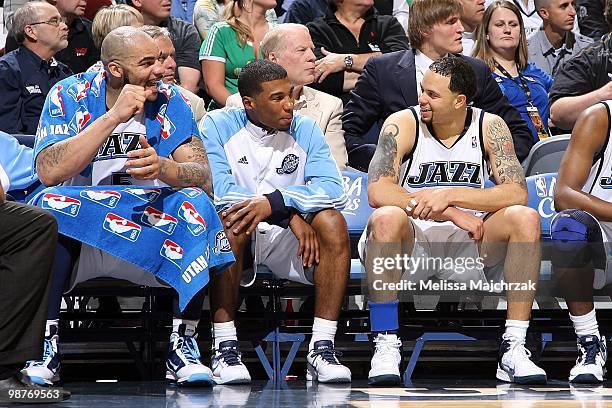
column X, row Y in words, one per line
column 581, row 234
column 445, row 150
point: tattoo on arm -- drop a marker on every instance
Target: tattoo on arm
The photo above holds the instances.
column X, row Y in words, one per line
column 383, row 163
column 502, row 153
column 195, row 170
column 51, row 157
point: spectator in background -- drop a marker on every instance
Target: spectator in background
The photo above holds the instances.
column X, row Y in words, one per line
column 501, row 44
column 28, row 73
column 163, row 41
column 471, row 17
column 81, row 53
column 184, row 37
column 290, row 46
column 591, row 18
column 555, row 43
column 231, row 45
column 582, row 81
column 346, row 38
column 208, row 12
column 391, row 82
column 528, row 12
column 109, row 18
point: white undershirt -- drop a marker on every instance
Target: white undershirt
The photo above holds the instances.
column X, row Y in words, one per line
column 421, row 64
column 467, row 40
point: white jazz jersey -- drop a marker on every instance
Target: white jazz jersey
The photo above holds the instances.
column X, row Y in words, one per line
column 432, row 164
column 599, row 182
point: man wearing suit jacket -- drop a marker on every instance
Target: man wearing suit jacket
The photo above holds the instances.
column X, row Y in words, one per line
column 290, row 46
column 391, row 82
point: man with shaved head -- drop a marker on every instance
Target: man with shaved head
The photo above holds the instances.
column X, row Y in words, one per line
column 555, row 42
column 124, row 126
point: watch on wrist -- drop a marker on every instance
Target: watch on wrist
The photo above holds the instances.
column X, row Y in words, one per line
column 348, row 62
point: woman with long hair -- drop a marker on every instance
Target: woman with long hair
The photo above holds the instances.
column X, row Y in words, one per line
column 232, row 44
column 502, row 44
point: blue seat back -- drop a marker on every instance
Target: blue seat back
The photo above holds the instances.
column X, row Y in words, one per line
column 541, row 190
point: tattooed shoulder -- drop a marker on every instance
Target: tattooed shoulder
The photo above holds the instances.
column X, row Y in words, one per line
column 384, row 162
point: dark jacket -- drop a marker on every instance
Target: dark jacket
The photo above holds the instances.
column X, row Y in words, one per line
column 25, row 81
column 387, row 85
column 378, row 33
column 589, row 70
column 591, row 19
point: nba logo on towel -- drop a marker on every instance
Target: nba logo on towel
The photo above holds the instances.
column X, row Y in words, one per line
column 78, row 90
column 65, row 205
column 541, row 189
column 167, row 127
column 195, row 222
column 106, row 198
column 191, row 192
column 159, row 220
column 172, row 252
column 56, row 104
column 80, row 119
column 122, row 226
column 145, row 194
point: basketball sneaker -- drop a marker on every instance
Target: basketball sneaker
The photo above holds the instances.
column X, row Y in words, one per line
column 46, row 370
column 514, row 364
column 591, row 362
column 183, row 365
column 323, row 365
column 385, row 364
column 227, row 364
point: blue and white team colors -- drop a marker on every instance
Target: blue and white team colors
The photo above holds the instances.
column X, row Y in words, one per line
column 431, row 164
column 295, row 167
column 174, row 234
column 247, row 161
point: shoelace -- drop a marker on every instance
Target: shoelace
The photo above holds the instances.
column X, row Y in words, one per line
column 230, row 355
column 590, row 351
column 189, row 348
column 328, row 355
column 523, row 351
column 385, row 345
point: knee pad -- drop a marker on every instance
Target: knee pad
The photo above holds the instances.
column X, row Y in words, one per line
column 576, row 238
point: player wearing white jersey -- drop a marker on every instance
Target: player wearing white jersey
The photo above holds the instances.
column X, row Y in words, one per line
column 447, row 150
column 582, row 232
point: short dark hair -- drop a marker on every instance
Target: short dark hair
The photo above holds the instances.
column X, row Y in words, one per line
column 257, row 72
column 460, row 72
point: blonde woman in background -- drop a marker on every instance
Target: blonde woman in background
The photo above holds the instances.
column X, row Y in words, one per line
column 109, row 18
column 231, row 45
column 208, row 12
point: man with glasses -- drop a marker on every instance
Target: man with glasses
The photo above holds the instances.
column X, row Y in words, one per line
column 81, row 52
column 28, row 73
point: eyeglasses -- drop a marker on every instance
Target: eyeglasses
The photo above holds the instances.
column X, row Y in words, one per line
column 55, row 21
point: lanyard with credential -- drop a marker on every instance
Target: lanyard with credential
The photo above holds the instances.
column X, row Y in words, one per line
column 522, row 82
column 532, row 110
